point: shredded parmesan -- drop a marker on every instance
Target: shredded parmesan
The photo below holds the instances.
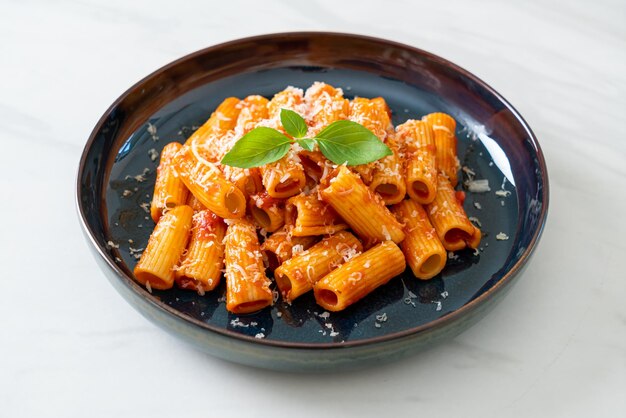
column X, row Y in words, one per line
column 502, row 193
column 386, row 233
column 237, row 323
column 476, row 221
column 297, row 249
column 382, row 317
column 145, row 206
column 502, row 236
column 478, row 186
column 153, row 154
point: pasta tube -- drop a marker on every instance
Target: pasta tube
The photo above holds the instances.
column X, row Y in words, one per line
column 297, row 275
column 422, row 249
column 201, row 266
column 221, row 121
column 444, row 127
column 421, row 170
column 375, row 115
column 208, row 184
column 313, row 163
column 310, row 216
column 169, row 190
column 358, row 277
column 325, row 105
column 248, row 180
column 450, row 220
column 282, row 245
column 155, row 268
column 253, row 109
column 285, row 177
column 267, row 212
column 387, row 176
column 247, row 286
column 360, row 208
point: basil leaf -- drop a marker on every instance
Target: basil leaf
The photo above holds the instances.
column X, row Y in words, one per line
column 293, row 123
column 306, row 143
column 348, row 142
column 260, row 146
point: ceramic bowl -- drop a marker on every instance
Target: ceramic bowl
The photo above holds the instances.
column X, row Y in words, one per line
column 118, row 167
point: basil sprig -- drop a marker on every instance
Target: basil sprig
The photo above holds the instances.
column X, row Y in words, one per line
column 342, row 142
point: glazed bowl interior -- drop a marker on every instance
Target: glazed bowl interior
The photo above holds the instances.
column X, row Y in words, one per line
column 118, row 169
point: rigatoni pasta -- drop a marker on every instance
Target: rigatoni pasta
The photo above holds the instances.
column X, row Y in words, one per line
column 267, row 212
column 297, row 275
column 387, row 176
column 360, row 208
column 417, row 139
column 375, row 115
column 247, row 286
column 221, row 121
column 202, row 264
column 207, row 183
column 285, row 177
column 360, row 276
column 282, row 245
column 444, row 128
column 325, row 105
column 450, row 220
column 422, row 249
column 169, row 190
column 252, row 110
column 310, row 216
column 340, row 231
column 167, row 243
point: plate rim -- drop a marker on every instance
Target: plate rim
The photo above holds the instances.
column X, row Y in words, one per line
column 449, row 318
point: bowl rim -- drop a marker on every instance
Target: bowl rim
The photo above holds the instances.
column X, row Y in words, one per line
column 448, row 319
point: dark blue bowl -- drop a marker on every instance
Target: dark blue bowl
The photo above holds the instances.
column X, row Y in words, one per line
column 116, row 176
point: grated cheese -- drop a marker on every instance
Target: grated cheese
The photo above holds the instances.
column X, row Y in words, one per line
column 237, row 323
column 502, row 193
column 386, row 233
column 297, row 249
column 502, row 236
column 478, row 186
column 382, row 317
column 476, row 221
column 153, row 154
column 145, row 206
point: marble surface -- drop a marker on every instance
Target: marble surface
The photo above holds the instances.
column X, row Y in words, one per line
column 70, row 346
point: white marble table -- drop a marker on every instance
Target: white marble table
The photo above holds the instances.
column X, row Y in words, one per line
column 70, row 346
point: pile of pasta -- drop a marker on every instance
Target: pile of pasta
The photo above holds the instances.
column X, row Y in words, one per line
column 339, row 231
